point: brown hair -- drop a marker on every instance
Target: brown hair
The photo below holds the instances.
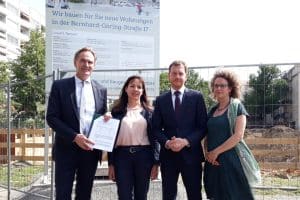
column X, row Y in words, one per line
column 177, row 63
column 82, row 50
column 120, row 105
column 232, row 80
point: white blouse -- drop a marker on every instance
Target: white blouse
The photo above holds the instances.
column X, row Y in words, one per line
column 133, row 130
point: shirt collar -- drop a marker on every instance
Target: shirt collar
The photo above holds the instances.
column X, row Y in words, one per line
column 79, row 81
column 181, row 90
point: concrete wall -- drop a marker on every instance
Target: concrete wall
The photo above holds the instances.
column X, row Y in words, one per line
column 294, row 81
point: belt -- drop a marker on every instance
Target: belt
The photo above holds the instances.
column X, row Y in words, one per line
column 134, row 148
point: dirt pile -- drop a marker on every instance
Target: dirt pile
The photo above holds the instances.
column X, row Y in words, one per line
column 274, row 152
column 280, row 131
column 273, row 132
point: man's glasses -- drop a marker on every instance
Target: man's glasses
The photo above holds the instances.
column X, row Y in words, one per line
column 222, row 86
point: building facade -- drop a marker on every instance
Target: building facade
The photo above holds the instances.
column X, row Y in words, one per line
column 293, row 78
column 16, row 22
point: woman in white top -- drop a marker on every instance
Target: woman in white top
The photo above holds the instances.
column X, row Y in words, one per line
column 134, row 160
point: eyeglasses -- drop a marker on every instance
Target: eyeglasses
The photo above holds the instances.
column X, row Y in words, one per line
column 222, row 86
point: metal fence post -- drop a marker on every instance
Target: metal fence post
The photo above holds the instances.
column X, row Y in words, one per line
column 46, row 147
column 8, row 141
column 55, row 75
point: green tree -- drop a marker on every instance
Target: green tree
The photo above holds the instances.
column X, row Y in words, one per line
column 164, row 83
column 267, row 91
column 27, row 75
column 4, row 72
column 194, row 81
column 4, row 76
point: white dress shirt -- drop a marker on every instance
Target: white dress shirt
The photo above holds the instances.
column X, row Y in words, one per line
column 181, row 90
column 90, row 102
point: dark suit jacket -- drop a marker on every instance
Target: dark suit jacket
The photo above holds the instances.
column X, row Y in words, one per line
column 153, row 142
column 191, row 124
column 63, row 115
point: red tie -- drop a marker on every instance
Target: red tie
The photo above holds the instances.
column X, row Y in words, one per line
column 177, row 104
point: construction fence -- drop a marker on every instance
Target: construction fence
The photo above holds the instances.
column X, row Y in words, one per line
column 26, row 168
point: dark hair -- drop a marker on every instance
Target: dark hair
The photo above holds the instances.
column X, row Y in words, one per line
column 232, row 80
column 120, row 105
column 177, row 63
column 82, row 50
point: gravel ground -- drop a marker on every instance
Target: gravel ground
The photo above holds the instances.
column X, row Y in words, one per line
column 102, row 190
column 106, row 190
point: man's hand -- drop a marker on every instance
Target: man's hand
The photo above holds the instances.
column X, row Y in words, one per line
column 111, row 173
column 154, row 172
column 177, row 144
column 83, row 142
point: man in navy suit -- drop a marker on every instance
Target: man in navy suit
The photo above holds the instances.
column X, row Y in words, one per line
column 70, row 114
column 179, row 123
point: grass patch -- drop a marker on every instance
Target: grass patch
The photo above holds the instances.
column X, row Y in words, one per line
column 275, row 192
column 273, row 185
column 21, row 176
column 283, row 182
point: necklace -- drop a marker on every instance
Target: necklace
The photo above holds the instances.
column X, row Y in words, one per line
column 221, row 109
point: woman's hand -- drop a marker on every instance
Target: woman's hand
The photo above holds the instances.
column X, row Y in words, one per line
column 154, row 172
column 107, row 116
column 212, row 156
column 111, row 173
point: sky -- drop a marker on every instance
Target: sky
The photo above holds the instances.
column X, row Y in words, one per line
column 231, row 32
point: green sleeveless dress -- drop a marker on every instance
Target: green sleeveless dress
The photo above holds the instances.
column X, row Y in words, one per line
column 226, row 181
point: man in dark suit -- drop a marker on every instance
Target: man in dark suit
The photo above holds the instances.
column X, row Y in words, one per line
column 72, row 105
column 179, row 123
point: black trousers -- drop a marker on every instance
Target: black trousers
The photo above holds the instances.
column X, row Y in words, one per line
column 70, row 163
column 191, row 174
column 132, row 169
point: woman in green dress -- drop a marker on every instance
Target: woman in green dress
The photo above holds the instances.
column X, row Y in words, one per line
column 224, row 178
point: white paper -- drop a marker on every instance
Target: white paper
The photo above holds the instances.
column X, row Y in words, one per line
column 103, row 133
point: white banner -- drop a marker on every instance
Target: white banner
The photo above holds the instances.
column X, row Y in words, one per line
column 124, row 35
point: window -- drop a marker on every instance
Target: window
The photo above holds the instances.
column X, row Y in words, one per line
column 12, row 40
column 2, row 18
column 12, row 9
column 2, row 53
column 13, row 25
column 25, row 31
column 24, row 16
column 2, row 3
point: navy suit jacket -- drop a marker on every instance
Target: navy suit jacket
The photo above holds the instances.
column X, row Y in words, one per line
column 191, row 124
column 63, row 114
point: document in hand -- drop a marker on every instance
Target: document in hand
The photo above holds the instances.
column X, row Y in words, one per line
column 103, row 133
